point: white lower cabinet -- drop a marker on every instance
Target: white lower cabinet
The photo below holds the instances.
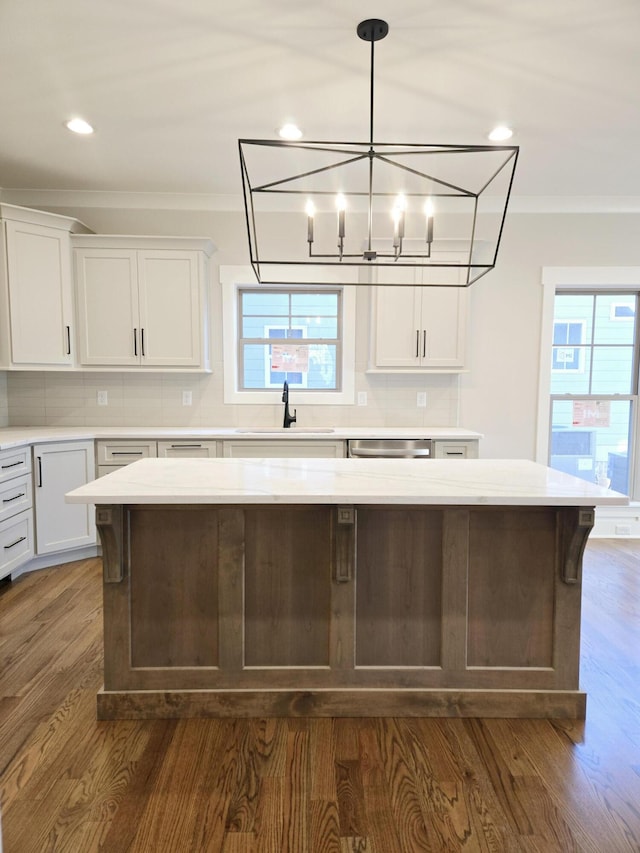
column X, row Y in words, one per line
column 58, row 468
column 455, row 449
column 283, row 449
column 16, row 512
column 16, row 542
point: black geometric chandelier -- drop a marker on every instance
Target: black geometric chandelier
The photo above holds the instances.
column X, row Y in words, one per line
column 420, row 214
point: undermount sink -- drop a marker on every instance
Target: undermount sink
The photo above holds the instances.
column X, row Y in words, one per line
column 282, row 430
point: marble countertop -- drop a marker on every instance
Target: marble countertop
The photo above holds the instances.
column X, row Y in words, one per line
column 19, row 436
column 351, row 481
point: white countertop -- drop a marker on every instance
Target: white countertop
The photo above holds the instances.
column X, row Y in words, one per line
column 18, row 436
column 349, row 481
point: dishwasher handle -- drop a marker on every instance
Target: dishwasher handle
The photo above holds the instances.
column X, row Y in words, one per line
column 391, row 454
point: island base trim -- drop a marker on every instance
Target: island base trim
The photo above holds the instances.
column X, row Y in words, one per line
column 151, row 704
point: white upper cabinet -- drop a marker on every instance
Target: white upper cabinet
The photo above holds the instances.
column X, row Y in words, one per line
column 36, row 293
column 142, row 302
column 414, row 327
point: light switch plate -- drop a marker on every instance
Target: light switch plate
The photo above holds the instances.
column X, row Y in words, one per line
column 103, row 398
column 362, row 398
column 421, row 399
column 187, row 398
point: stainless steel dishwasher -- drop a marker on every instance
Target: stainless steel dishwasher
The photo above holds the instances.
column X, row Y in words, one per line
column 391, row 448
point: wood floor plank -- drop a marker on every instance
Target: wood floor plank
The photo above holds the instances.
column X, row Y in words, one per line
column 70, row 784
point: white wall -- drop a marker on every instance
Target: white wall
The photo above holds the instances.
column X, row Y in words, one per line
column 497, row 397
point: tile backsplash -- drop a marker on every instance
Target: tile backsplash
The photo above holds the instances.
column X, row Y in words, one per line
column 4, row 401
column 155, row 399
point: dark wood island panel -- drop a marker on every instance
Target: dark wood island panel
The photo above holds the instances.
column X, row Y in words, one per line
column 334, row 610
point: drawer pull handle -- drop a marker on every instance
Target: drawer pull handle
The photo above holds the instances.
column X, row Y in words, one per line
column 14, row 498
column 184, row 446
column 13, row 464
column 17, row 542
column 127, row 453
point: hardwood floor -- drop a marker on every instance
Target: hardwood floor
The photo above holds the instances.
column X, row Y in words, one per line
column 70, row 784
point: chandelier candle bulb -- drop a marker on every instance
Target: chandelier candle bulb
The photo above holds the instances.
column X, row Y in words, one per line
column 428, row 212
column 310, row 209
column 341, row 204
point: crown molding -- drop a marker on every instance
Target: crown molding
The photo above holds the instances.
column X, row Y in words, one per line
column 212, row 202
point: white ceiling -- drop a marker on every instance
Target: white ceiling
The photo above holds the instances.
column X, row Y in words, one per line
column 170, row 86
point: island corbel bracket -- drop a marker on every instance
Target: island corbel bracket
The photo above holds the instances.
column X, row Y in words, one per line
column 109, row 521
column 345, row 544
column 576, row 525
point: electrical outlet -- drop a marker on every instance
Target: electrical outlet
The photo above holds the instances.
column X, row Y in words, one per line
column 187, row 398
column 623, row 530
column 103, row 398
column 421, row 399
column 362, row 398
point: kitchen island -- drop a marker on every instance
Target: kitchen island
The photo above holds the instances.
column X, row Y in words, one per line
column 342, row 587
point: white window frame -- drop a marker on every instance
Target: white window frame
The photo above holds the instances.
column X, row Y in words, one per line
column 579, row 278
column 232, row 278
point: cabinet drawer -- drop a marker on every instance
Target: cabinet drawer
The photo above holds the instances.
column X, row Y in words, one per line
column 123, row 452
column 187, row 449
column 16, row 542
column 14, row 462
column 456, row 450
column 15, row 496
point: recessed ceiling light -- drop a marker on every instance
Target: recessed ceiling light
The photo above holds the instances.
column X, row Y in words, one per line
column 79, row 125
column 500, row 133
column 290, row 131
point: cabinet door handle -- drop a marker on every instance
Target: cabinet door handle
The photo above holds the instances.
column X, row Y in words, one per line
column 14, row 498
column 142, row 341
column 127, row 453
column 424, row 343
column 68, row 340
column 135, row 342
column 417, row 343
column 39, row 458
column 13, row 464
column 13, row 544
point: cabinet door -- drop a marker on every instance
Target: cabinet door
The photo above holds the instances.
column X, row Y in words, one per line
column 398, row 330
column 58, row 468
column 108, row 317
column 443, row 321
column 169, row 294
column 39, row 273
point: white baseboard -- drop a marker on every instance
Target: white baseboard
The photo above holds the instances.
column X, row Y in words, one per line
column 47, row 560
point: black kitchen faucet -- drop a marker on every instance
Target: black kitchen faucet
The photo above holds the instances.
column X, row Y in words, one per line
column 288, row 417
